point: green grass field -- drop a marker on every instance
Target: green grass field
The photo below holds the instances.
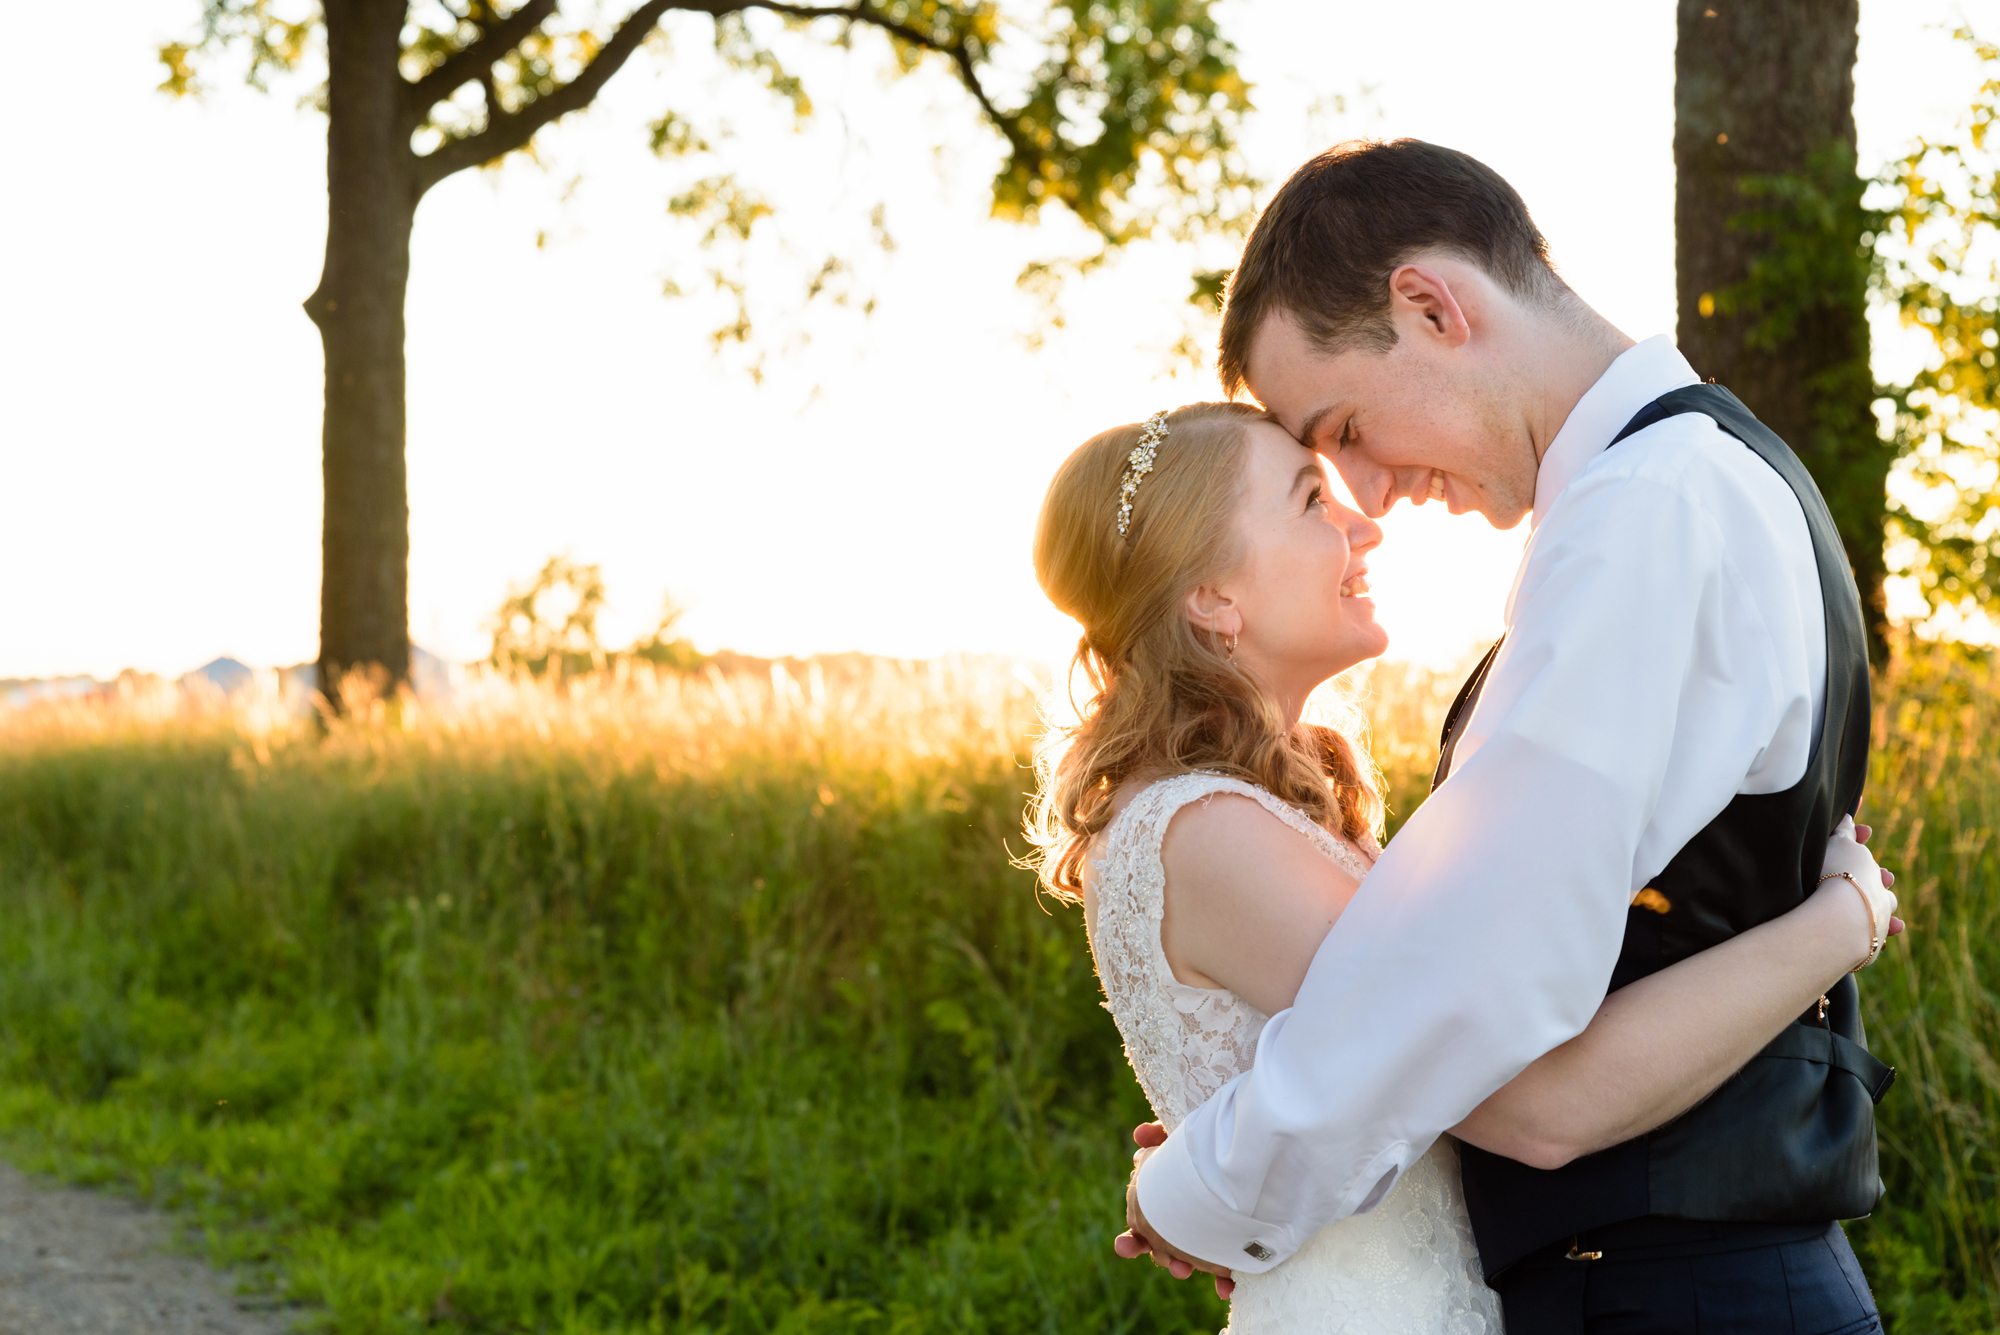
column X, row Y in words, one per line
column 715, row 1005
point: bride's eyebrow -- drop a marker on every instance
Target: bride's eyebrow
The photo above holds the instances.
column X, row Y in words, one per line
column 1311, row 470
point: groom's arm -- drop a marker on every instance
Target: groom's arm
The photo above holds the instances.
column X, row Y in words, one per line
column 1487, row 933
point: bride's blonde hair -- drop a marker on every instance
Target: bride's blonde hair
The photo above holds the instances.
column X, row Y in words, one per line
column 1166, row 696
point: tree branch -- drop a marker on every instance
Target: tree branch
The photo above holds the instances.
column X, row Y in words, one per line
column 958, row 52
column 489, row 88
column 505, row 133
column 464, row 65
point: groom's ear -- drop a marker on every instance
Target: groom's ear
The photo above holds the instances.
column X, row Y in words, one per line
column 1422, row 294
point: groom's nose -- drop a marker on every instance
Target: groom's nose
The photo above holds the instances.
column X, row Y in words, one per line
column 1372, row 486
column 1407, row 482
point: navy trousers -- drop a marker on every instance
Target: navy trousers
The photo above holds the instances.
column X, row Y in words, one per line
column 1806, row 1284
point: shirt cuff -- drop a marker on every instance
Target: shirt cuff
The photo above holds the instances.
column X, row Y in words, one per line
column 1178, row 1203
column 1196, row 1221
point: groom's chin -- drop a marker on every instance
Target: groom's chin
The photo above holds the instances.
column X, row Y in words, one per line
column 1503, row 515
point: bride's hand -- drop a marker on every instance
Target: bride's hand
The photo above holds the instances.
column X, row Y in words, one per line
column 1136, row 1240
column 1874, row 908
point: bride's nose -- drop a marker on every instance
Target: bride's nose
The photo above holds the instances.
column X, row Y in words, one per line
column 1363, row 533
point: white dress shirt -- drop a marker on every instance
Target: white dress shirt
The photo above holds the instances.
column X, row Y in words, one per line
column 1666, row 650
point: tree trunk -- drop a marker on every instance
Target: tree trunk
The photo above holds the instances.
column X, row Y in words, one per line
column 358, row 306
column 1765, row 88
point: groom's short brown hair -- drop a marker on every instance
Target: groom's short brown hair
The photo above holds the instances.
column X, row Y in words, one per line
column 1324, row 249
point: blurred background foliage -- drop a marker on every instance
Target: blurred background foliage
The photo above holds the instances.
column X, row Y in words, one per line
column 549, row 625
column 1938, row 253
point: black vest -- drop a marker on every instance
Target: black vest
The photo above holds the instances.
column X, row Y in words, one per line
column 1791, row 1137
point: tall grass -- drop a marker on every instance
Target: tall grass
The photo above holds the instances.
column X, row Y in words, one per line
column 713, row 1004
column 1933, row 1250
column 648, row 1004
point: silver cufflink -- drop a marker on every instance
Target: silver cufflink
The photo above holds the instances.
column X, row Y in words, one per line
column 1259, row 1252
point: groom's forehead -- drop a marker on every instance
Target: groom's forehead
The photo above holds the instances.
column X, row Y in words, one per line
column 1279, row 352
column 1296, row 381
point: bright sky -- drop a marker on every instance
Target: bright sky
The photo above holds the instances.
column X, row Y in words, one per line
column 159, row 385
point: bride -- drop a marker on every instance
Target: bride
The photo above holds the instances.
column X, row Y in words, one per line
column 1213, row 838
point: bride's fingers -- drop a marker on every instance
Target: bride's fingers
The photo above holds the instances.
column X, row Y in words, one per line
column 1897, row 926
column 1178, row 1268
column 1861, row 833
column 1847, row 856
column 1149, row 1135
column 1131, row 1245
column 1883, row 910
column 1224, row 1287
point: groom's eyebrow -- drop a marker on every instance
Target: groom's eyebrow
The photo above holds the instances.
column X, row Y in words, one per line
column 1309, row 430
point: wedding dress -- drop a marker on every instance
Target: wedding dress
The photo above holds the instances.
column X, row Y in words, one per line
column 1407, row 1267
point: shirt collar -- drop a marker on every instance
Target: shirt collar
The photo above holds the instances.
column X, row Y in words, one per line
column 1640, row 374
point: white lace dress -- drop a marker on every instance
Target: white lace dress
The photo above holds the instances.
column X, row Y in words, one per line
column 1409, row 1266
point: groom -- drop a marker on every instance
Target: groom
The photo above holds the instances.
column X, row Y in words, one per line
column 1679, row 707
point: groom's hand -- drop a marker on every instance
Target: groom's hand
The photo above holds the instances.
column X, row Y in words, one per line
column 1139, row 1239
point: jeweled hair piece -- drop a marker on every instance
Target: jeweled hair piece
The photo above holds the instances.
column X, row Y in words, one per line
column 1139, row 463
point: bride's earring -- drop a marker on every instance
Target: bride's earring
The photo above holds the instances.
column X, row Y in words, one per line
column 1228, row 641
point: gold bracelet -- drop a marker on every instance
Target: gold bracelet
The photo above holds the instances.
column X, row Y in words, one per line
column 1874, row 932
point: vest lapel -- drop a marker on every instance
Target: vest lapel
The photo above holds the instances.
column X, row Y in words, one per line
column 1461, row 709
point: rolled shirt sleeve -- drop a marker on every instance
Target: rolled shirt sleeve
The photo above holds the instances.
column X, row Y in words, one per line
column 1636, row 663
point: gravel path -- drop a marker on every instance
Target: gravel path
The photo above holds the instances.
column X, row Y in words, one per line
column 83, row 1263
